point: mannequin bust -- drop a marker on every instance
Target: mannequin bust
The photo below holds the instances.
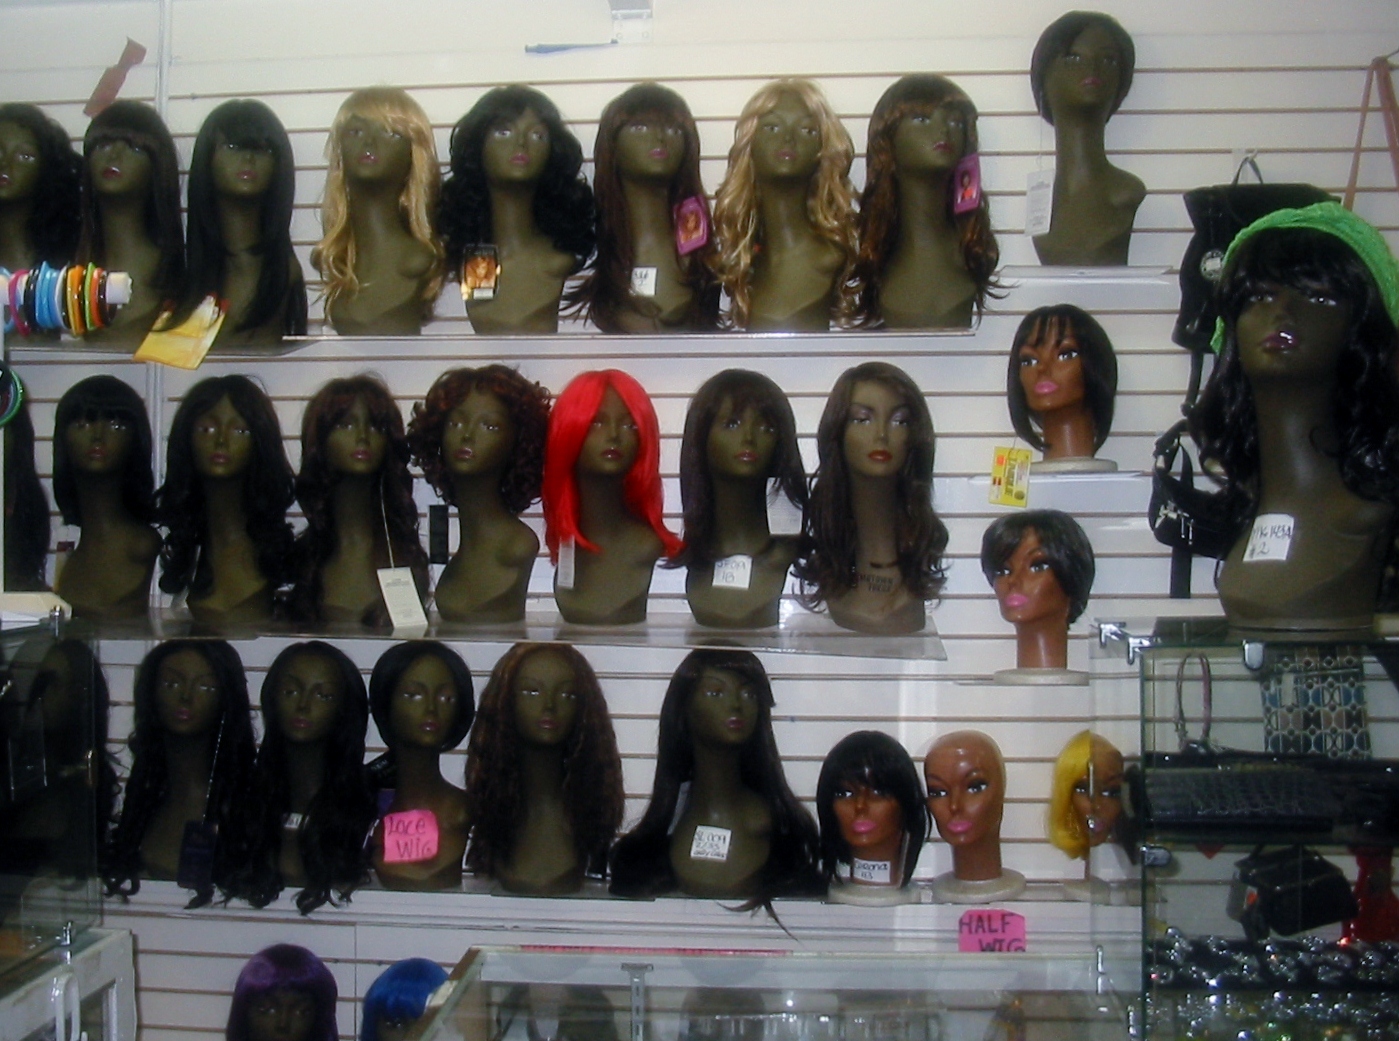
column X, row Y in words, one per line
column 309, row 806
column 1040, row 563
column 877, row 543
column 785, row 212
column 131, row 215
column 242, row 183
column 966, row 779
column 1079, row 74
column 646, row 163
column 39, row 175
column 357, row 494
column 1060, row 387
column 191, row 752
column 395, row 1001
column 736, row 829
column 1085, row 806
column 421, row 696
column 602, row 495
column 102, row 483
column 479, row 439
column 874, row 818
column 515, row 186
column 922, row 266
column 378, row 254
column 1300, row 413
column 284, row 993
column 543, row 777
column 224, row 503
column 739, row 435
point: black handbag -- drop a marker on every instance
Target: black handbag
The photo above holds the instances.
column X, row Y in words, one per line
column 1294, row 890
column 1192, row 521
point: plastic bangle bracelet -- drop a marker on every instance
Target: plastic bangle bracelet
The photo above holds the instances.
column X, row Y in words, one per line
column 102, row 306
column 90, row 310
column 57, row 298
column 31, row 300
column 48, row 305
column 15, row 396
column 41, row 297
column 75, row 301
column 16, row 293
column 9, row 316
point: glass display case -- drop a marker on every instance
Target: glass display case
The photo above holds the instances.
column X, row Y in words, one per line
column 1265, row 809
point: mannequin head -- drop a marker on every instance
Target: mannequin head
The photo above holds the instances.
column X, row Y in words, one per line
column 102, row 406
column 1086, row 801
column 242, row 153
column 398, row 998
column 500, row 398
column 1074, row 47
column 26, row 508
column 921, row 534
column 562, row 203
column 638, row 114
column 733, row 400
column 46, row 180
column 918, row 98
column 1063, row 550
column 966, row 779
column 127, row 151
column 224, row 429
column 284, row 993
column 553, row 683
column 404, row 716
column 569, row 424
column 1091, row 383
column 390, row 112
column 872, row 766
column 830, row 196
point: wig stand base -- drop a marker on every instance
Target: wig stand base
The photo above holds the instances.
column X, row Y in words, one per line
column 1040, row 677
column 1090, row 890
column 870, row 895
column 1085, row 464
column 949, row 889
column 21, row 609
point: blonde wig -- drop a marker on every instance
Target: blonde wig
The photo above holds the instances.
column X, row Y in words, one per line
column 1066, row 828
column 334, row 255
column 830, row 202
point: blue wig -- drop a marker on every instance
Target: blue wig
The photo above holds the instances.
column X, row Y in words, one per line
column 400, row 992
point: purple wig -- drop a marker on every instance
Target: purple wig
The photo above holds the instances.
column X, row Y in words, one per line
column 284, row 966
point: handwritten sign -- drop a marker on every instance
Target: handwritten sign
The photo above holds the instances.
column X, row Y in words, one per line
column 410, row 836
column 1270, row 538
column 990, row 929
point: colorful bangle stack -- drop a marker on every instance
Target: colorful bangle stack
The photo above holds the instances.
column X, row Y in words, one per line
column 72, row 298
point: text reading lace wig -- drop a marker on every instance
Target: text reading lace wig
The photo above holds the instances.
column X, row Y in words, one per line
column 388, row 670
column 563, row 202
column 331, row 835
column 592, row 774
column 568, row 428
column 742, row 389
column 607, row 288
column 399, row 996
column 830, row 203
column 392, row 499
column 284, row 966
column 246, row 124
column 641, row 858
column 921, row 535
column 140, row 127
column 104, row 397
column 528, row 405
column 268, row 488
column 334, row 255
column 879, row 204
column 53, row 222
column 147, row 787
column 877, row 761
column 1057, row 40
column 1063, row 542
column 1067, row 830
column 1050, row 325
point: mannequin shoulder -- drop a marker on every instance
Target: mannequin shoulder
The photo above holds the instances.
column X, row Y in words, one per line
column 416, row 260
column 519, row 546
column 1125, row 188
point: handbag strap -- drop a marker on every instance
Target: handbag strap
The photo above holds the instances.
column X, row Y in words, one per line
column 1378, row 79
column 1207, row 697
column 1250, row 162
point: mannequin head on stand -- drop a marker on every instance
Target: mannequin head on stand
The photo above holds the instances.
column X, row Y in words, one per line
column 1056, row 45
column 1061, row 359
column 869, row 786
column 44, row 177
column 1085, row 803
column 284, row 993
column 93, row 401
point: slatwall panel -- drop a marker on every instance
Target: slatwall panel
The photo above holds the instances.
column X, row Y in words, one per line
column 1208, row 86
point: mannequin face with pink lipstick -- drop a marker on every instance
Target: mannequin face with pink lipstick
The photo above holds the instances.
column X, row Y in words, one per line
column 966, row 781
column 1051, row 369
column 1028, row 589
column 871, row 820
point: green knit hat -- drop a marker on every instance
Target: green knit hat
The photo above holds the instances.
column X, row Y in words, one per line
column 1334, row 219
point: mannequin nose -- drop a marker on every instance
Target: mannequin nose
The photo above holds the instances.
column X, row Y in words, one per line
column 302, row 701
column 861, row 802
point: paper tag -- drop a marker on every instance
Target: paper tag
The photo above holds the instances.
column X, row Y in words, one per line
column 873, row 872
column 568, row 562
column 733, row 572
column 480, row 274
column 784, row 516
column 990, row 929
column 1039, row 201
column 643, row 281
column 196, row 867
column 185, row 346
column 710, row 843
column 1010, row 477
column 966, row 179
column 401, row 598
column 410, row 836
column 691, row 225
column 1270, row 538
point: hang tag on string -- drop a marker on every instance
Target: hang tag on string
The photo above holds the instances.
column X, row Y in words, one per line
column 480, row 274
column 196, row 868
column 1010, row 477
column 966, row 184
column 568, row 562
column 1039, row 202
column 784, row 516
column 401, row 598
column 184, row 346
column 691, row 225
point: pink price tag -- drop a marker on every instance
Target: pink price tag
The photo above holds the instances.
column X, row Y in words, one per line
column 410, row 836
column 990, row 929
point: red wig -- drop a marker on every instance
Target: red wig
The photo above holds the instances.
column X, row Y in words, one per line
column 569, row 422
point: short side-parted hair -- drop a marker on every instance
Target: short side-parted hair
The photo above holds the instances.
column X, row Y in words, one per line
column 1060, row 35
column 1063, row 541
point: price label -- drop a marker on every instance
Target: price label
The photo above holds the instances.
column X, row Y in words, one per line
column 568, row 562
column 410, row 836
column 643, row 281
column 990, row 929
column 872, row 872
column 1039, row 201
column 1270, row 538
column 401, row 598
column 710, row 843
column 733, row 572
column 1010, row 477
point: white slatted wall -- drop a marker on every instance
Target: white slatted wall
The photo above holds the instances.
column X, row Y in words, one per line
column 1212, row 81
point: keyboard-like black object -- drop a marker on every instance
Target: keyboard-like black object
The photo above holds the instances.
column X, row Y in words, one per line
column 1262, row 797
